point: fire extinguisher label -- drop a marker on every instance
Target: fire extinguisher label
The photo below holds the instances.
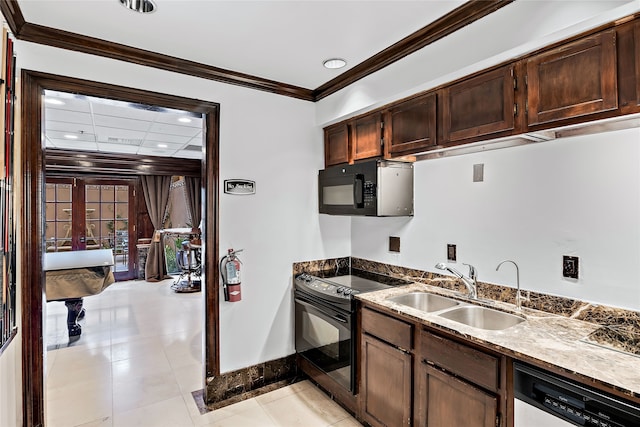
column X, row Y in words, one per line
column 233, row 274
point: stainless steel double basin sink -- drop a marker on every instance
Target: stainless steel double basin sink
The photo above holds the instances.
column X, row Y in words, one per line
column 471, row 315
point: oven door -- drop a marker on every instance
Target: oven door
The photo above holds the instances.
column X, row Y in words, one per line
column 324, row 337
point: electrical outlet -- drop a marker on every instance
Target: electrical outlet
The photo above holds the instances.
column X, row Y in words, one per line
column 570, row 266
column 451, row 252
column 394, row 244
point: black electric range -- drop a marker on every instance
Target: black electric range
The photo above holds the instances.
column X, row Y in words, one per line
column 325, row 324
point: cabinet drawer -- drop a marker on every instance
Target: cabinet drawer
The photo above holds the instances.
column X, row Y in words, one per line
column 474, row 365
column 387, row 328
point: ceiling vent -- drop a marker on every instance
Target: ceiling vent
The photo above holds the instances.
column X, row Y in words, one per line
column 124, row 141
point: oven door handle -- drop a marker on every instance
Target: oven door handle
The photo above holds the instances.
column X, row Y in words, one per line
column 334, row 316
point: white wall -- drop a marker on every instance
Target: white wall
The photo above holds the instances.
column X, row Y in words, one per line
column 10, row 388
column 576, row 196
column 270, row 139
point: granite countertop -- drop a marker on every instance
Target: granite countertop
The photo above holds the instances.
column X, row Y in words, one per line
column 546, row 339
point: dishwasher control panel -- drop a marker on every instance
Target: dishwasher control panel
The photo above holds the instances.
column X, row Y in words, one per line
column 570, row 401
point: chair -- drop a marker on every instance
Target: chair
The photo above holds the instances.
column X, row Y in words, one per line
column 188, row 261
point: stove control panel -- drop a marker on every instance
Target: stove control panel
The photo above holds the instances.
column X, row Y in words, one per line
column 306, row 281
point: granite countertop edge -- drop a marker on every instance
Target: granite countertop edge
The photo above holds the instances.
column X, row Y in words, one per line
column 544, row 339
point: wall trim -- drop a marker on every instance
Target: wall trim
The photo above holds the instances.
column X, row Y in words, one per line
column 460, row 17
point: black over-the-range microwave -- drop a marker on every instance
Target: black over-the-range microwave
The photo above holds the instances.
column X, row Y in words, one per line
column 371, row 187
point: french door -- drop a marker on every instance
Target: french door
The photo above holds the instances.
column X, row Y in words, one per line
column 91, row 213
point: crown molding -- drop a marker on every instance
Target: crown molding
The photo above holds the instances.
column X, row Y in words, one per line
column 444, row 26
column 462, row 16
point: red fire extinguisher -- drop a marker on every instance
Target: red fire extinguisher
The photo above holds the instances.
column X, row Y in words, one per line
column 230, row 272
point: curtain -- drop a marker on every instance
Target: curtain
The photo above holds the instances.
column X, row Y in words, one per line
column 156, row 195
column 193, row 187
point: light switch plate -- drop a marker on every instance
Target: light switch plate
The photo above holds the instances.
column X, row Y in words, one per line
column 478, row 172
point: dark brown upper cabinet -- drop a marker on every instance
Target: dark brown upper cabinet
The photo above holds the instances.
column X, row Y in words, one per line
column 336, row 144
column 366, row 136
column 574, row 80
column 479, row 106
column 587, row 78
column 410, row 127
column 636, row 38
column 628, row 50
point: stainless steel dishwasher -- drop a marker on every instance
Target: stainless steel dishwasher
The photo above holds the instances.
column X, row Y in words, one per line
column 543, row 399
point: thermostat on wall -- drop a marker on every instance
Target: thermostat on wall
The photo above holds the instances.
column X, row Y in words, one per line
column 239, row 186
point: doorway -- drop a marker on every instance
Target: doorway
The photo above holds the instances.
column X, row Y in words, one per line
column 87, row 214
column 32, row 157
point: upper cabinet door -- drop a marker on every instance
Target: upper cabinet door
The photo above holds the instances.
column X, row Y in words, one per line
column 574, row 80
column 482, row 105
column 336, row 144
column 410, row 127
column 366, row 136
column 628, row 50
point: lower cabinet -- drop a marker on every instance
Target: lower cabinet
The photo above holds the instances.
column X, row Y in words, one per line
column 387, row 374
column 413, row 375
column 450, row 401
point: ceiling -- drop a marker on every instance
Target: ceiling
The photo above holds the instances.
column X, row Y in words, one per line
column 284, row 41
column 80, row 122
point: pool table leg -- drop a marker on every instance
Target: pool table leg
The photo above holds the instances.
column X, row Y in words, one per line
column 74, row 312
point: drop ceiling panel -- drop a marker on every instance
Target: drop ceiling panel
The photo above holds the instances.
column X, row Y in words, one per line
column 67, row 116
column 115, row 132
column 172, row 119
column 173, row 139
column 165, row 145
column 120, row 123
column 120, row 109
column 54, row 134
column 70, row 103
column 64, row 127
column 164, row 128
column 74, row 145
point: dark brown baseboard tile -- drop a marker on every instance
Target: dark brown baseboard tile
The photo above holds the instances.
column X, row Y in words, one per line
column 252, row 381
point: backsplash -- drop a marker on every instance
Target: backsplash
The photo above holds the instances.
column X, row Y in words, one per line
column 620, row 327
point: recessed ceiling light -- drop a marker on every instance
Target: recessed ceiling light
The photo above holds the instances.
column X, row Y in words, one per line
column 142, row 6
column 69, row 136
column 184, row 120
column 334, row 63
column 53, row 101
column 162, row 146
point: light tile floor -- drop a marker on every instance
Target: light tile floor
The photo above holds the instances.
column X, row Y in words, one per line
column 138, row 360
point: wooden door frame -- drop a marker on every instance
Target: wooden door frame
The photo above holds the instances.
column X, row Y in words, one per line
column 32, row 162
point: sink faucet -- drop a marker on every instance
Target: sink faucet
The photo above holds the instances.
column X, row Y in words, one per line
column 519, row 297
column 470, row 282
